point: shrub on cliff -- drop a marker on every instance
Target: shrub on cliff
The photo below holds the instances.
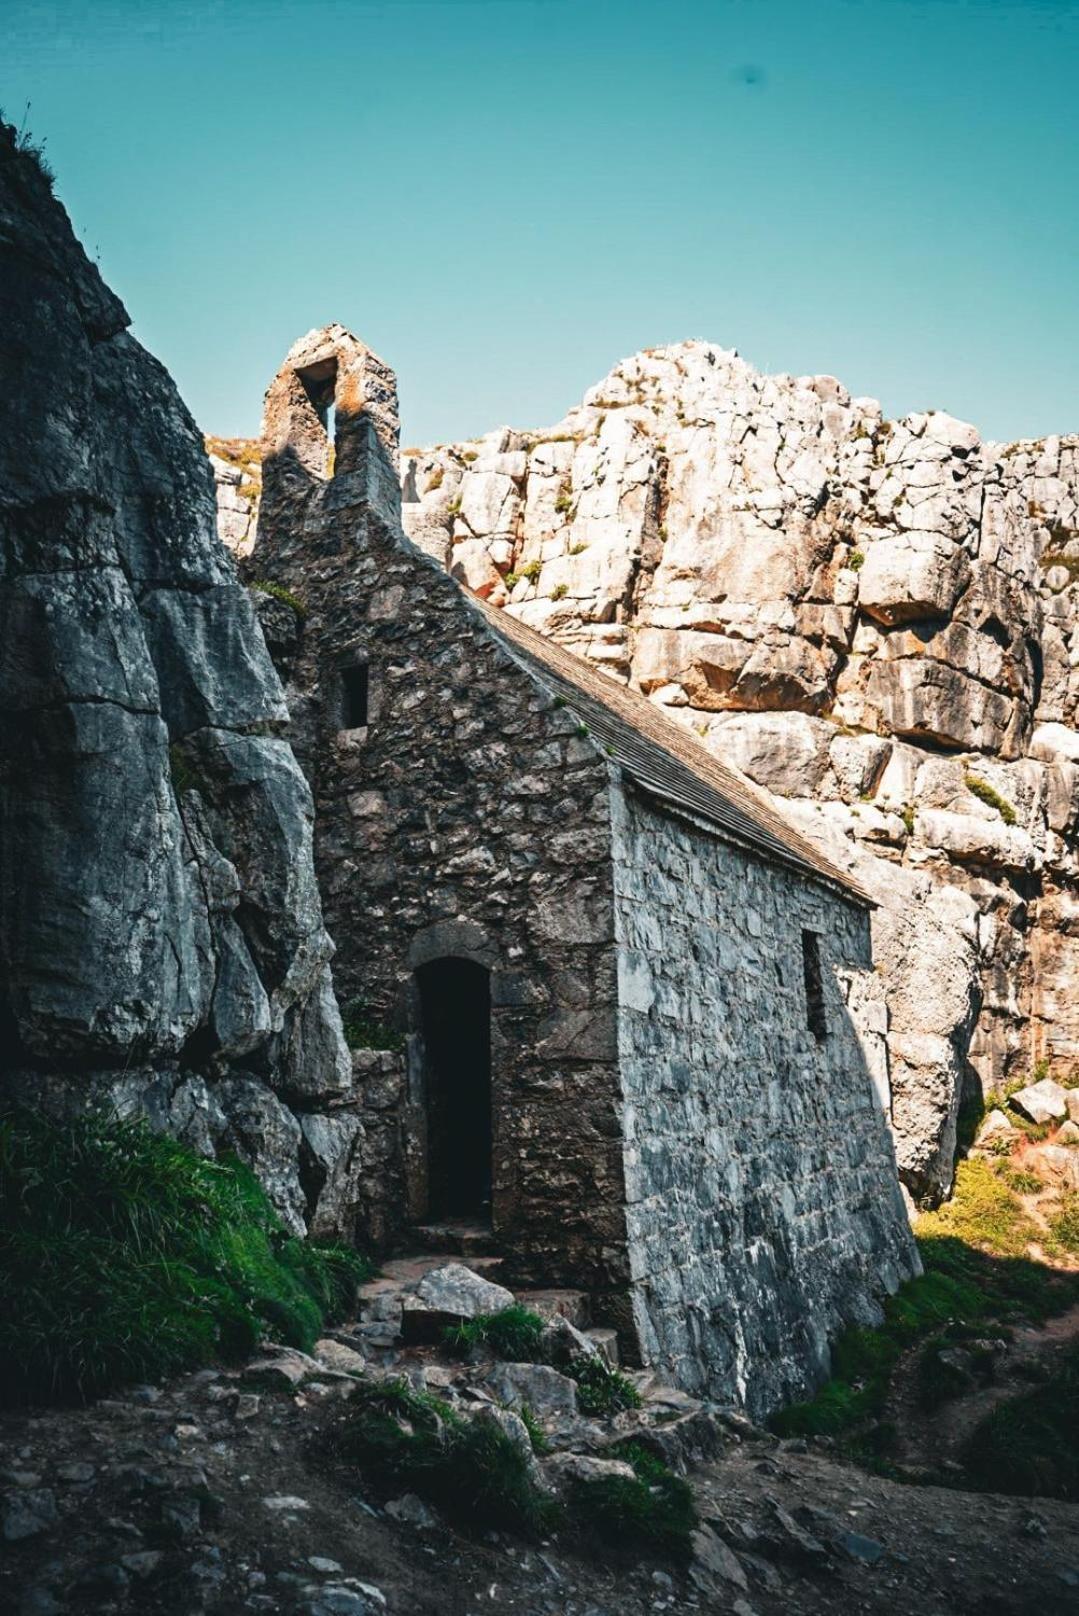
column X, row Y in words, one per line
column 125, row 1256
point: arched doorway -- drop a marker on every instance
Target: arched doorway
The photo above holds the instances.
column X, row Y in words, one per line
column 455, row 1011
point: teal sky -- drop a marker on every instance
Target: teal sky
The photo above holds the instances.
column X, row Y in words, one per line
column 504, row 197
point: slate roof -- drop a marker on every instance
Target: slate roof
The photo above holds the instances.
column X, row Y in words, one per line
column 662, row 759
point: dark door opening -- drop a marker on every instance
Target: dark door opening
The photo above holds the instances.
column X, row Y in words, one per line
column 455, row 1008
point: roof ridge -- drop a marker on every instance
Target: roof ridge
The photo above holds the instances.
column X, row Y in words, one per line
column 630, row 707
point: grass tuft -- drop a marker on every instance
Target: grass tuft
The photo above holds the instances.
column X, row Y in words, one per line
column 513, row 1334
column 991, row 797
column 124, row 1256
column 601, row 1389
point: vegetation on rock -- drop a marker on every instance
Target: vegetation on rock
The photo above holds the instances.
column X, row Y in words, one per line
column 977, row 1277
column 991, row 797
column 402, row 1438
column 266, row 586
column 364, row 1031
column 601, row 1389
column 655, row 1509
column 125, row 1256
column 513, row 1334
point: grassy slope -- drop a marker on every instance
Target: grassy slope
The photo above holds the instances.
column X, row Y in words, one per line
column 125, row 1256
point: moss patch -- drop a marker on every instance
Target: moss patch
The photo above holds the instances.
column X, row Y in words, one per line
column 364, row 1031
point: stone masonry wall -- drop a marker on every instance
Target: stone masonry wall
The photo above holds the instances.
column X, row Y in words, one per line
column 467, row 818
column 764, row 1209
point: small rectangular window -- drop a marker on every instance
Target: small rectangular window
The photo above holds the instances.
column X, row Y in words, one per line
column 814, row 986
column 354, row 684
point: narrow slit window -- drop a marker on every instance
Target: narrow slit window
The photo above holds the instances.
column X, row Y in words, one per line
column 354, row 687
column 816, row 1019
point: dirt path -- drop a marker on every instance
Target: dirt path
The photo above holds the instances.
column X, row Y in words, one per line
column 933, row 1438
column 184, row 1501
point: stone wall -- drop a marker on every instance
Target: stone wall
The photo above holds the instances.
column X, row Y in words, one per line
column 467, row 818
column 764, row 1210
column 161, row 940
column 876, row 620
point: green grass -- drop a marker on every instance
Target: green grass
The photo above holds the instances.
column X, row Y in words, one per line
column 601, row 1389
column 1064, row 1228
column 124, row 1256
column 409, row 1440
column 983, row 1211
column 1019, row 1180
column 403, row 1439
column 536, row 1434
column 1030, row 1445
column 655, row 1509
column 976, row 1273
column 513, row 1334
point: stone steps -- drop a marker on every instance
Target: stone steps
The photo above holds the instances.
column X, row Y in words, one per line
column 457, row 1237
column 573, row 1305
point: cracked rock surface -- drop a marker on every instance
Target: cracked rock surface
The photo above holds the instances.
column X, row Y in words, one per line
column 161, row 937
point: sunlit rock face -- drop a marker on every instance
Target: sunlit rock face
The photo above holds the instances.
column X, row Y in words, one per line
column 876, row 620
column 161, row 937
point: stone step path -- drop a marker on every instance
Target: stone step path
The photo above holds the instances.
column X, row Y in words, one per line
column 456, row 1237
column 380, row 1301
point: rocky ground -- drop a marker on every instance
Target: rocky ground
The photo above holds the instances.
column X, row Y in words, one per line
column 226, row 1491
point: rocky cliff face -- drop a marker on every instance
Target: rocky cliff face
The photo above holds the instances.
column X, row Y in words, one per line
column 161, row 939
column 876, row 620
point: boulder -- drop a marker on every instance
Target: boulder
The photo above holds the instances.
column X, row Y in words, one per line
column 1044, row 1101
column 547, row 1393
column 995, row 1126
column 447, row 1295
column 562, row 1341
column 564, row 1469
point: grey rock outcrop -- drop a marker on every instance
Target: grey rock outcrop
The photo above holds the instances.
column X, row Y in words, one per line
column 161, row 937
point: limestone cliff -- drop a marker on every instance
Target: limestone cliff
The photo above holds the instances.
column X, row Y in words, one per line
column 878, row 621
column 161, row 938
